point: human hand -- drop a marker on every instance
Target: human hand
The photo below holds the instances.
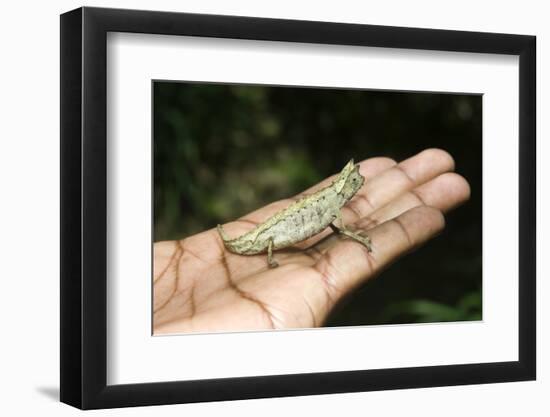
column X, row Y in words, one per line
column 199, row 286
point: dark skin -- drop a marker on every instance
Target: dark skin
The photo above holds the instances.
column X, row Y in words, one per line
column 199, row 286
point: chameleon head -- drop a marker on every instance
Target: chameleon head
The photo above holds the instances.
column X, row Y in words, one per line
column 350, row 180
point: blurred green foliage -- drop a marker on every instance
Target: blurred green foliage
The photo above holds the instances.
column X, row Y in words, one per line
column 221, row 151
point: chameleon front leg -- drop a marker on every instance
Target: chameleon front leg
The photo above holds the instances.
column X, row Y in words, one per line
column 364, row 240
column 272, row 262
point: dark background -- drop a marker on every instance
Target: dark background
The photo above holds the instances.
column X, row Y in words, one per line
column 221, row 151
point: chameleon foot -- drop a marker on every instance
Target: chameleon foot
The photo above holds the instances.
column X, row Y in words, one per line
column 272, row 263
column 364, row 240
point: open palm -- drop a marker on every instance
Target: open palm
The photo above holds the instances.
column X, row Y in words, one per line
column 201, row 287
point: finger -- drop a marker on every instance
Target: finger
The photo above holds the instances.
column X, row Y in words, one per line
column 369, row 168
column 444, row 192
column 393, row 182
column 347, row 263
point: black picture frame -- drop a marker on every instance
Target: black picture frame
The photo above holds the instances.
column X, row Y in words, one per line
column 84, row 207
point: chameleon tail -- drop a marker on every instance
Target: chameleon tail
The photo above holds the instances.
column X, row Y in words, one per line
column 222, row 233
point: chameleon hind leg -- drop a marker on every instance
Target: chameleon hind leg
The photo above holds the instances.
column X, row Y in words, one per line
column 364, row 240
column 272, row 262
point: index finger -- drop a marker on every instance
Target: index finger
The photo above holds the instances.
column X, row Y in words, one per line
column 397, row 180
